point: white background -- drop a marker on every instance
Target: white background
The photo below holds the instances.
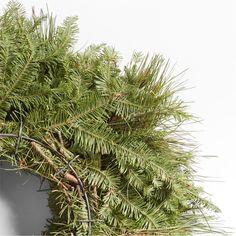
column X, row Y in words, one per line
column 199, row 35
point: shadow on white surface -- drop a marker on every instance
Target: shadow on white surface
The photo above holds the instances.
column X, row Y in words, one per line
column 24, row 211
column 7, row 218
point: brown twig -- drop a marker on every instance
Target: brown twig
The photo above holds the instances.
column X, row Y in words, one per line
column 38, row 149
column 60, row 138
column 71, row 178
column 59, row 182
column 95, row 196
column 67, row 176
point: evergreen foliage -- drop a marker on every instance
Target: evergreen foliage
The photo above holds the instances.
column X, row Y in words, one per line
column 121, row 125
